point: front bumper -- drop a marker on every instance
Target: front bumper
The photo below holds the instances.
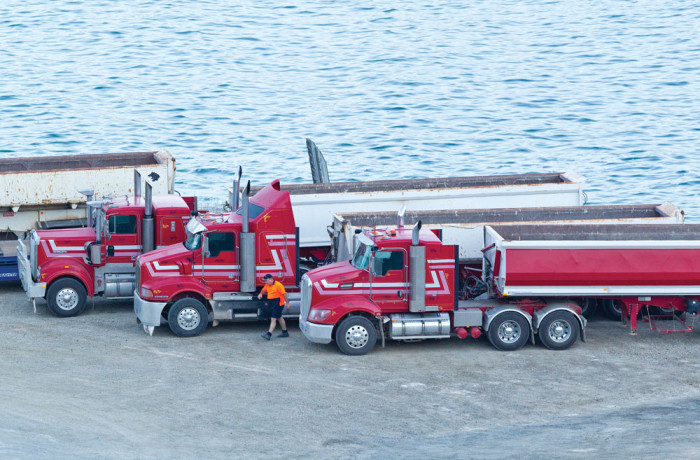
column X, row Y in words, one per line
column 149, row 313
column 24, row 267
column 317, row 333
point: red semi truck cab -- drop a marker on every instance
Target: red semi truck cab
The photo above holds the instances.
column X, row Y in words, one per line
column 404, row 284
column 65, row 266
column 215, row 273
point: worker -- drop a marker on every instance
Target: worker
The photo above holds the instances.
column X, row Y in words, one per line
column 277, row 298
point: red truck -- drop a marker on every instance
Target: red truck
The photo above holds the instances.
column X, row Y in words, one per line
column 402, row 285
column 214, row 275
column 66, row 266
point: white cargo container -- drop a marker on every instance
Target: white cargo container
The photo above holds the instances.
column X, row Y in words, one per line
column 466, row 227
column 44, row 191
column 313, row 204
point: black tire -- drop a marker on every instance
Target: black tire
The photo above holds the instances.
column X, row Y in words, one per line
column 612, row 309
column 559, row 330
column 356, row 335
column 66, row 297
column 588, row 307
column 188, row 317
column 509, row 331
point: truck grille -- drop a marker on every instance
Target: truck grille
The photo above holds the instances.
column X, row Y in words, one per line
column 137, row 279
column 305, row 297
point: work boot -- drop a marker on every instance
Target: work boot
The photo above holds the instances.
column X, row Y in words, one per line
column 283, row 334
column 266, row 335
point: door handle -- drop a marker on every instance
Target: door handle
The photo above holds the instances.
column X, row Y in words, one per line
column 399, row 293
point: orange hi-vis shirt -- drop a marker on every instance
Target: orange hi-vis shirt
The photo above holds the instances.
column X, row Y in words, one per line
column 276, row 291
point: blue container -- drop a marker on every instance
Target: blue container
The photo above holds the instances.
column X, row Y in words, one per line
column 8, row 269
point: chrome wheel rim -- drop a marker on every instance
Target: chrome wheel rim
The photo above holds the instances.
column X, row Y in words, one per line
column 357, row 337
column 188, row 318
column 67, row 299
column 559, row 331
column 509, row 331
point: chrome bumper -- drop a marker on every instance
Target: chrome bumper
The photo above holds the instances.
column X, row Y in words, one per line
column 149, row 313
column 24, row 267
column 317, row 333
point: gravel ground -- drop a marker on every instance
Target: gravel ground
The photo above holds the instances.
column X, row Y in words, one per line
column 97, row 386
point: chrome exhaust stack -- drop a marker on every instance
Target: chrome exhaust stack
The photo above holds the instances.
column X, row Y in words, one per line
column 400, row 216
column 137, row 184
column 148, row 232
column 416, row 300
column 247, row 246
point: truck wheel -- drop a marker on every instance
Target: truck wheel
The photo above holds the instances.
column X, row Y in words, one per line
column 612, row 309
column 188, row 317
column 559, row 330
column 509, row 331
column 66, row 297
column 356, row 335
column 588, row 306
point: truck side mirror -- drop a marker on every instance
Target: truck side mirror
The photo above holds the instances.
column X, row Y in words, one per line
column 377, row 266
column 205, row 246
column 370, row 266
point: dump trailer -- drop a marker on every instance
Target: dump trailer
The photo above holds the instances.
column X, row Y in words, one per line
column 465, row 227
column 654, row 269
column 66, row 266
column 52, row 191
column 314, row 203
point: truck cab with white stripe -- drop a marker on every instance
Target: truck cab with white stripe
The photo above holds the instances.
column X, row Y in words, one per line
column 66, row 266
column 405, row 284
column 216, row 273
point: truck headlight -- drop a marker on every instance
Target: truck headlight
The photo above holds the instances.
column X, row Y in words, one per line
column 146, row 293
column 319, row 315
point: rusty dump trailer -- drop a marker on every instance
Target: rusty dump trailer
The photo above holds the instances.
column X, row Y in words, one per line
column 636, row 266
column 45, row 191
column 314, row 203
column 465, row 227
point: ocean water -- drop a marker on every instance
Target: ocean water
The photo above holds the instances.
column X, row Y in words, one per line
column 388, row 90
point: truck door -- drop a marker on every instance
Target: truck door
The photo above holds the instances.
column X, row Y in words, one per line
column 221, row 269
column 123, row 244
column 390, row 280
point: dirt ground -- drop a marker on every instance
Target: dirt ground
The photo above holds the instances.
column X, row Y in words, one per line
column 96, row 386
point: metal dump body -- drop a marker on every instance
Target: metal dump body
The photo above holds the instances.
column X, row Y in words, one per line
column 314, row 203
column 594, row 260
column 41, row 189
column 465, row 227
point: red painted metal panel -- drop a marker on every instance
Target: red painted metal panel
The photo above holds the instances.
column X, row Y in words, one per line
column 602, row 267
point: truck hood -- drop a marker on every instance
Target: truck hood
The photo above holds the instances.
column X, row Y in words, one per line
column 167, row 254
column 68, row 234
column 65, row 242
column 333, row 275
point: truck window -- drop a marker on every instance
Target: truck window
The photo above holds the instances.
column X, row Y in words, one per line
column 220, row 242
column 122, row 225
column 388, row 260
column 253, row 212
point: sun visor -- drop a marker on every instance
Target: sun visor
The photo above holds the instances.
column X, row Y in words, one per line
column 194, row 226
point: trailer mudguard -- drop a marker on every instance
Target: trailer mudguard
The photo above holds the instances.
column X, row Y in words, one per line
column 492, row 313
column 560, row 306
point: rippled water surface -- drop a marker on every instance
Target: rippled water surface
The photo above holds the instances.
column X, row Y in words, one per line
column 608, row 89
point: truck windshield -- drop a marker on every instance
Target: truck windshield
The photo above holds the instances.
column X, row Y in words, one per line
column 194, row 241
column 361, row 258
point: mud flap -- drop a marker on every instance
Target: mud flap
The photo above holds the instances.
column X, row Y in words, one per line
column 149, row 329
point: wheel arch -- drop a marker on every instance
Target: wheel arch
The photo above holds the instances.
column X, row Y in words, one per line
column 183, row 294
column 493, row 313
column 65, row 276
column 542, row 313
